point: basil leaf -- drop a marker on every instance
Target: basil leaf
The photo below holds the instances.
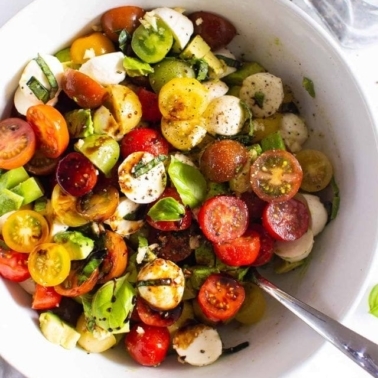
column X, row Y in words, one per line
column 373, row 301
column 309, row 86
column 189, row 182
column 39, row 90
column 49, row 76
column 88, row 269
column 142, row 168
column 259, row 98
column 167, row 209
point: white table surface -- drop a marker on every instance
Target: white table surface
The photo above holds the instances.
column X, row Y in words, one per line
column 328, row 362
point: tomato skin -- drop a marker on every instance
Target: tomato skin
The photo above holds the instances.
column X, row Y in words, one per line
column 50, row 128
column 116, row 19
column 85, row 91
column 214, row 29
column 150, row 105
column 276, row 176
column 45, row 298
column 266, row 245
column 150, row 316
column 287, row 220
column 40, row 164
column 144, row 139
column 255, row 206
column 148, row 345
column 17, row 143
column 180, row 225
column 76, row 174
column 220, row 297
column 223, row 218
column 241, row 251
column 13, row 265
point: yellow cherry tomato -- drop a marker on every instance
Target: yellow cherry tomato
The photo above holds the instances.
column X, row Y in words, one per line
column 49, row 264
column 84, row 48
column 183, row 98
column 25, row 229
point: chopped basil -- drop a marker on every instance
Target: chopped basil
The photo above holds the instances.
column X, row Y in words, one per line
column 229, row 61
column 249, row 118
column 167, row 209
column 189, row 182
column 123, row 39
column 155, row 282
column 49, row 76
column 88, row 269
column 142, row 168
column 259, row 97
column 373, row 301
column 39, row 90
column 308, row 84
column 335, row 200
column 236, row 348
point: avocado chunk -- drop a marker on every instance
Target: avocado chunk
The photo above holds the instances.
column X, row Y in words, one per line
column 29, row 189
column 9, row 201
column 78, row 245
column 247, row 69
column 11, row 178
column 57, row 331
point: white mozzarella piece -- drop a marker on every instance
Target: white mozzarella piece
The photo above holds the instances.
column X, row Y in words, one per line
column 147, row 187
column 263, row 93
column 55, row 226
column 181, row 26
column 162, row 296
column 295, row 250
column 294, row 131
column 224, row 116
column 216, row 88
column 24, row 97
column 198, row 345
column 106, row 69
column 319, row 215
column 117, row 221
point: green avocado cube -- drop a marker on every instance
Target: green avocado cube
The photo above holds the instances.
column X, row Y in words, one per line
column 29, row 189
column 11, row 178
column 9, row 201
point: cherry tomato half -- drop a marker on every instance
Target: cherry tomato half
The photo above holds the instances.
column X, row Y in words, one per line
column 150, row 105
column 85, row 91
column 49, row 264
column 40, row 164
column 25, row 229
column 144, row 139
column 241, row 251
column 45, row 298
column 220, row 297
column 50, row 128
column 276, row 176
column 76, row 174
column 223, row 218
column 17, row 143
column 13, row 265
column 148, row 345
column 266, row 245
column 287, row 220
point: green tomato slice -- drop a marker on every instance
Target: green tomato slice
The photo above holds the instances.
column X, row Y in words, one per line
column 151, row 43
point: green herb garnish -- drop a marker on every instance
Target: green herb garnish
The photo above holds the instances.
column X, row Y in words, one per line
column 259, row 97
column 167, row 209
column 308, row 84
column 49, row 76
column 39, row 90
column 142, row 168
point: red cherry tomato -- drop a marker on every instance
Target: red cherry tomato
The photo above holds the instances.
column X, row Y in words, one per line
column 241, row 251
column 156, row 318
column 266, row 245
column 45, row 298
column 220, row 297
column 85, row 91
column 13, row 265
column 76, row 174
column 287, row 220
column 276, row 176
column 17, row 143
column 144, row 139
column 255, row 206
column 223, row 218
column 150, row 105
column 148, row 345
column 180, row 225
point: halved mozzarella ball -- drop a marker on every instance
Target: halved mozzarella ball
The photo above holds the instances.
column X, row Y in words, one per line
column 161, row 283
column 144, row 188
column 294, row 131
column 217, row 88
column 105, row 69
column 295, row 250
column 198, row 345
column 263, row 93
column 224, row 116
column 319, row 215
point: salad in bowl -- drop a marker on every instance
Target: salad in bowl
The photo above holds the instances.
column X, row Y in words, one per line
column 148, row 168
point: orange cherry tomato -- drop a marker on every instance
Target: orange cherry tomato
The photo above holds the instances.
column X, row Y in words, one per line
column 17, row 143
column 116, row 19
column 85, row 91
column 84, row 48
column 51, row 129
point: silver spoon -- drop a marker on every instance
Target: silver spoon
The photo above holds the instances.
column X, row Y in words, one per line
column 359, row 349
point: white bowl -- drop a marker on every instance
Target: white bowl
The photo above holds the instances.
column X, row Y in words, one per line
column 290, row 45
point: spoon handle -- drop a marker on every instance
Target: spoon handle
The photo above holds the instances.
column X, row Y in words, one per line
column 361, row 350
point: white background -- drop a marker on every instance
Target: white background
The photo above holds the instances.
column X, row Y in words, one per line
column 328, row 362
